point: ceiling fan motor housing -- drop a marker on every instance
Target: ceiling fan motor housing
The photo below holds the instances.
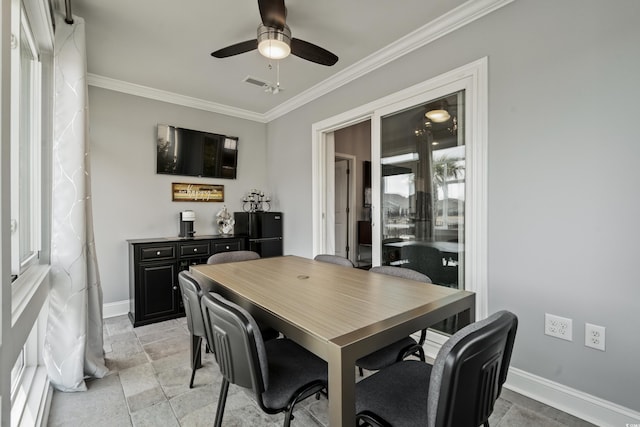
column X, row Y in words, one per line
column 274, row 43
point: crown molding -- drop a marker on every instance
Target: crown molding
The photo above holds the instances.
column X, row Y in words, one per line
column 171, row 97
column 439, row 27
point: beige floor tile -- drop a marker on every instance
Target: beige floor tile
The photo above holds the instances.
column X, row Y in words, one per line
column 148, row 385
column 155, row 416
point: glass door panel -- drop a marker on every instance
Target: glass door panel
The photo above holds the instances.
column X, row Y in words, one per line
column 422, row 188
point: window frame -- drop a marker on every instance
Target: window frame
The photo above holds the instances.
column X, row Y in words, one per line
column 20, row 264
column 25, row 296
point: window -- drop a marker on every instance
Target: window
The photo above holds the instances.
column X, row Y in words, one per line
column 30, row 60
column 422, row 167
column 25, row 146
column 16, row 372
column 448, row 181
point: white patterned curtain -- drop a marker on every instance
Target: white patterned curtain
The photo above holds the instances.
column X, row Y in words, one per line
column 74, row 342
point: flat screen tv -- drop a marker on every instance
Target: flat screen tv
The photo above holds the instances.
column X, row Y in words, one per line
column 196, row 153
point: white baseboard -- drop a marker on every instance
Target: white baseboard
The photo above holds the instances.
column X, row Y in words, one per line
column 113, row 309
column 577, row 403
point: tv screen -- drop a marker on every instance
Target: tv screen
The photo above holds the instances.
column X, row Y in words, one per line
column 196, row 153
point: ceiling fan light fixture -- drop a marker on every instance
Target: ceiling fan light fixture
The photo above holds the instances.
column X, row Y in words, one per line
column 438, row 116
column 274, row 43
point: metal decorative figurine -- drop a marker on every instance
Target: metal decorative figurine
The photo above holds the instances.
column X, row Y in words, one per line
column 256, row 201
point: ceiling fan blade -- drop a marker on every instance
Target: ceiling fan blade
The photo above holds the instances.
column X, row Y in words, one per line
column 313, row 53
column 273, row 13
column 236, row 49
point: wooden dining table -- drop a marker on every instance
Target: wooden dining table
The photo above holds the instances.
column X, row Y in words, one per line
column 338, row 313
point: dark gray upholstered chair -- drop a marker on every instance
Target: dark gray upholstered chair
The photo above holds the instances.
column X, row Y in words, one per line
column 405, row 273
column 279, row 373
column 237, row 256
column 430, row 261
column 402, row 348
column 459, row 390
column 334, row 259
column 232, row 256
column 192, row 291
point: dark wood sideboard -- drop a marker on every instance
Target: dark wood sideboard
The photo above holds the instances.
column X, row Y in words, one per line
column 154, row 264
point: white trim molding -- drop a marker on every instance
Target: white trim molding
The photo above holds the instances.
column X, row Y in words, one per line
column 457, row 18
column 171, row 97
column 577, row 403
column 113, row 309
column 582, row 405
column 428, row 33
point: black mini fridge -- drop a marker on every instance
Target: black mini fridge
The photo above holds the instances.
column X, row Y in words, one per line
column 264, row 230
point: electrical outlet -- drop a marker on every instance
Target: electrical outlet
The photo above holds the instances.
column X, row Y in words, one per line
column 559, row 327
column 594, row 336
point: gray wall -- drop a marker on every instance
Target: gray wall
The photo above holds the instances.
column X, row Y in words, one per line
column 130, row 200
column 563, row 228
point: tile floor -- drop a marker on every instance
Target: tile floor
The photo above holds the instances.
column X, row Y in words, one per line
column 148, row 386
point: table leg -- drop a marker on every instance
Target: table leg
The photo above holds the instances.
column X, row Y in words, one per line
column 467, row 316
column 342, row 388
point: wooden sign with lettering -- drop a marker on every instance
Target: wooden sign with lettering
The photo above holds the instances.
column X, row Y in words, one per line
column 197, row 192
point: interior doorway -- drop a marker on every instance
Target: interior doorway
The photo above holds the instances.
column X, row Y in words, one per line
column 344, row 189
column 353, row 144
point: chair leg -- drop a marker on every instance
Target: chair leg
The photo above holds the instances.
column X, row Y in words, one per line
column 287, row 418
column 413, row 350
column 360, row 371
column 194, row 364
column 196, row 343
column 423, row 337
column 222, row 400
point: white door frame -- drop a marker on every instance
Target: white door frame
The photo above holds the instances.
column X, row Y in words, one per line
column 473, row 78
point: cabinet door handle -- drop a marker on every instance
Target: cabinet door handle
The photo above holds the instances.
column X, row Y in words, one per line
column 175, row 288
column 195, row 249
column 158, row 253
column 227, row 247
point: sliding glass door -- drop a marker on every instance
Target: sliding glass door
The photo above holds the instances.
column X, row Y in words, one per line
column 427, row 208
column 422, row 189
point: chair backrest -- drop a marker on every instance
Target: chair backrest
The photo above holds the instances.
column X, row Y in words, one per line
column 237, row 343
column 469, row 371
column 334, row 259
column 405, row 273
column 192, row 290
column 427, row 260
column 232, row 256
column 430, row 261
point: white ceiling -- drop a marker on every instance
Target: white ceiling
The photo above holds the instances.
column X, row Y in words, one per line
column 166, row 45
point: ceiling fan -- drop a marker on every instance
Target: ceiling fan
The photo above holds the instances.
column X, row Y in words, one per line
column 274, row 38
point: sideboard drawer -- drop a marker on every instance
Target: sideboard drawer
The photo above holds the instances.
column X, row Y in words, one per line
column 231, row 245
column 194, row 249
column 150, row 253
